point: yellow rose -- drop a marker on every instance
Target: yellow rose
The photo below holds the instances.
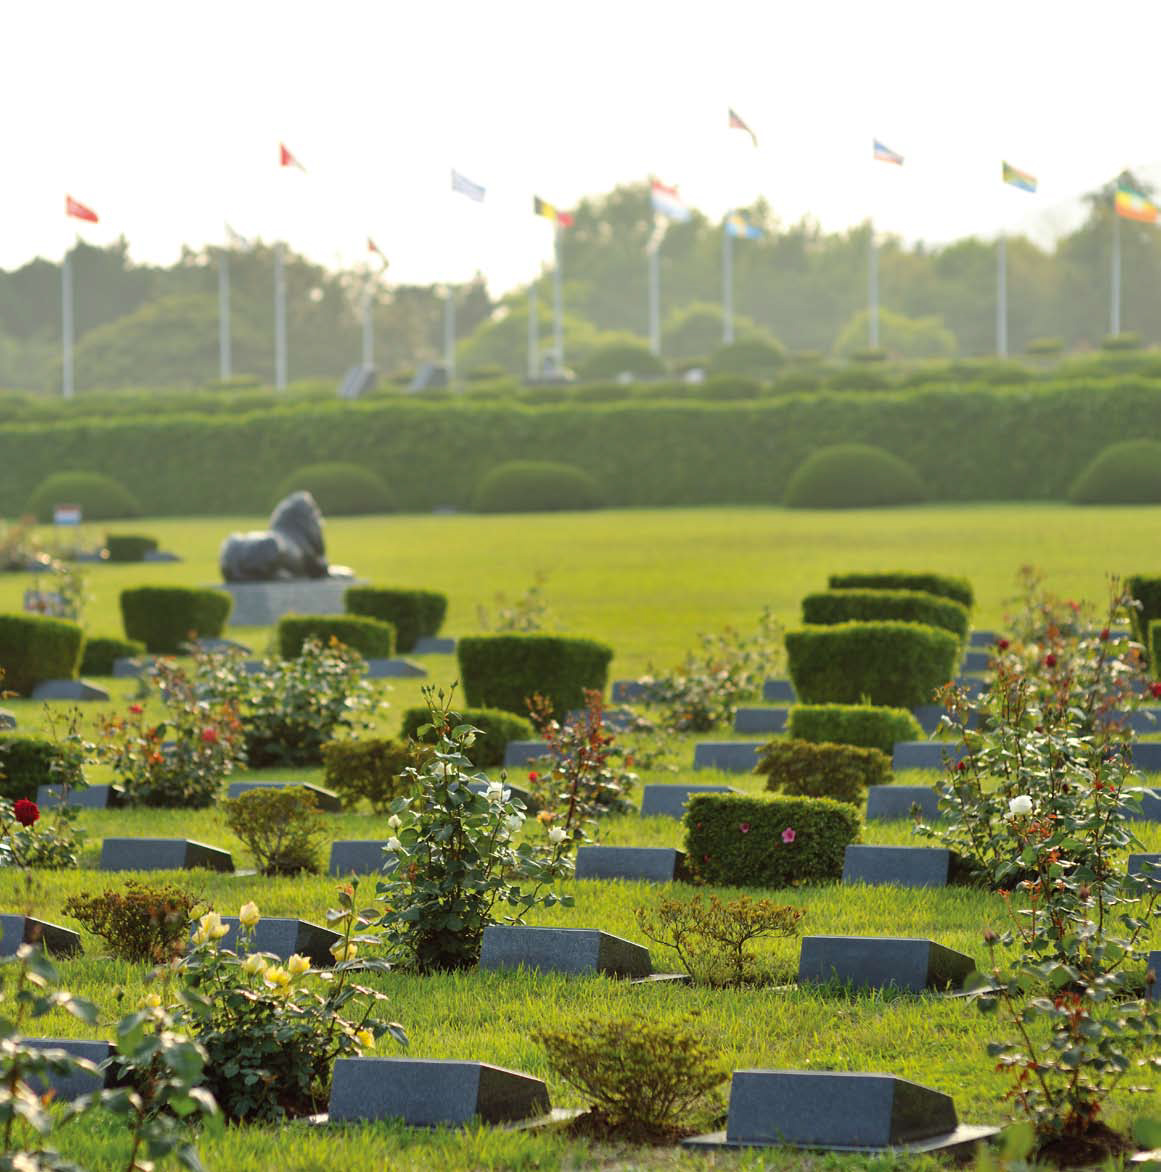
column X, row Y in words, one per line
column 277, row 976
column 151, row 1001
column 297, row 965
column 249, row 914
column 365, row 1038
column 343, row 952
column 210, row 927
column 254, row 964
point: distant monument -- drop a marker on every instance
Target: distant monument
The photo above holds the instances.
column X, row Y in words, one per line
column 291, row 548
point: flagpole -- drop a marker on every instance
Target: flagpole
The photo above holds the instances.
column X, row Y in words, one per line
column 533, row 333
column 653, row 252
column 279, row 320
column 1115, row 300
column 368, row 326
column 727, row 283
column 1002, row 297
column 449, row 334
column 558, row 299
column 66, row 326
column 872, row 290
column 224, row 357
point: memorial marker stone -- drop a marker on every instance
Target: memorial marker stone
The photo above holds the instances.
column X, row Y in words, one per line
column 326, row 799
column 359, row 856
column 898, row 866
column 983, row 639
column 761, row 720
column 626, row 691
column 779, row 692
column 894, row 802
column 66, row 1087
column 395, row 669
column 92, row 797
column 434, row 645
column 284, row 937
column 977, row 661
column 16, row 930
column 1147, row 868
column 562, row 950
column 651, row 864
column 727, row 756
column 880, row 962
column 161, row 854
column 78, row 690
column 668, row 801
column 926, row 754
column 1150, row 808
column 7, row 719
column 518, row 753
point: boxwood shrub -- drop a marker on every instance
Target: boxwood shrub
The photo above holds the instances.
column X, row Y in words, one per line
column 867, row 725
column 1147, row 591
column 852, row 476
column 412, row 613
column 371, row 638
column 165, row 617
column 100, row 651
column 822, row 770
column 369, row 768
column 35, row 647
column 957, row 589
column 340, row 489
column 736, row 841
column 100, row 497
column 1127, row 473
column 129, row 547
column 501, row 671
column 26, row 762
column 886, row 663
column 908, row 606
column 497, row 727
column 536, row 486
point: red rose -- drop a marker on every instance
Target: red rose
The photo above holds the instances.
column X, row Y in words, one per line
column 1050, row 660
column 1104, row 634
column 136, row 709
column 1155, row 691
column 534, row 776
column 25, row 812
column 960, row 766
column 210, row 736
column 1003, row 644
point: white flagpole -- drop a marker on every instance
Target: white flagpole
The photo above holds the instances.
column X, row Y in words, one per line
column 533, row 332
column 224, row 358
column 654, row 254
column 558, row 298
column 279, row 320
column 66, row 326
column 727, row 284
column 1002, row 297
column 1115, row 299
column 449, row 334
column 872, row 290
column 368, row 326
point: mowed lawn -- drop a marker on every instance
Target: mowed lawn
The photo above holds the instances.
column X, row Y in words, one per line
column 646, row 582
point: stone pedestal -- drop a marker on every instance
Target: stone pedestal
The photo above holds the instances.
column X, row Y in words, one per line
column 261, row 604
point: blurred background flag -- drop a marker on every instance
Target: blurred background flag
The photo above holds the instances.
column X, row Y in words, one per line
column 740, row 228
column 465, row 186
column 736, row 123
column 286, row 159
column 886, row 155
column 78, row 211
column 667, row 203
column 1132, row 205
column 1016, row 178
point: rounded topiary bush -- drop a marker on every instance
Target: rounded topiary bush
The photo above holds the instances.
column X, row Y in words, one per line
column 101, row 498
column 533, row 486
column 852, row 476
column 341, row 489
column 621, row 358
column 34, row 648
column 166, row 617
column 371, row 638
column 759, row 357
column 101, row 652
column 1128, row 473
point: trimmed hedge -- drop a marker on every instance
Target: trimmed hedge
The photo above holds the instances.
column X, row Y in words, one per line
column 736, row 841
column 908, row 606
column 957, row 589
column 370, row 768
column 497, row 728
column 100, row 652
column 536, row 486
column 1147, row 591
column 823, row 770
column 35, row 647
column 501, row 671
column 100, row 497
column 1153, row 644
column 27, row 762
column 165, row 617
column 888, row 663
column 868, row 725
column 621, row 357
column 371, row 638
column 129, row 547
column 413, row 613
column 1128, row 473
column 340, row 489
column 853, row 476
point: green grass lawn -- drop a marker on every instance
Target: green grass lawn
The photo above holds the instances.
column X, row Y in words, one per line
column 647, row 583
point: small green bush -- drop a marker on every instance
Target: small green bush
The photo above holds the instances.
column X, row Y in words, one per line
column 866, row 725
column 957, row 589
column 101, row 498
column 722, row 387
column 413, row 613
column 502, row 671
column 340, row 489
column 860, row 376
column 1128, row 473
column 1125, row 340
column 129, row 547
column 100, row 652
column 35, row 647
column 28, row 762
column 885, row 663
column 1044, row 347
column 618, row 358
column 370, row 768
column 757, row 357
column 371, row 638
column 281, row 827
column 165, row 617
column 907, row 606
column 536, row 486
column 808, row 769
column 737, row 841
column 142, row 924
column 852, row 476
column 1153, row 644
column 1147, row 591
column 496, row 727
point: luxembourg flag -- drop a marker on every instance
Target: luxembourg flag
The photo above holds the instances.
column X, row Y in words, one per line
column 886, row 155
column 668, row 203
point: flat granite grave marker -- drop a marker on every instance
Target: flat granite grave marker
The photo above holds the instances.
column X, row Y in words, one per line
column 977, row 661
column 1146, row 868
column 761, row 720
column 434, row 645
column 78, row 690
column 395, row 669
column 925, row 754
column 668, row 801
column 983, row 639
column 727, row 756
column 18, row 930
column 359, row 856
column 563, row 950
column 651, row 864
column 1150, row 808
column 430, row 1092
column 838, row 1110
column 894, row 802
column 325, row 799
column 66, row 1087
column 518, row 753
column 779, row 691
column 161, row 854
column 284, row 937
column 90, row 797
column 930, row 717
column 898, row 866
column 880, row 962
column 626, row 691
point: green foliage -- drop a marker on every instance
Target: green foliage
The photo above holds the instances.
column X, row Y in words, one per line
column 27, row 840
column 370, row 638
column 341, row 489
column 737, row 841
column 281, row 828
column 820, row 769
column 852, row 476
column 494, row 729
column 909, row 606
column 612, row 359
column 100, row 652
column 413, row 613
column 884, row 663
column 1125, row 340
column 1146, row 591
column 1044, row 347
column 861, row 376
column 536, row 486
column 143, row 923
column 865, row 725
column 165, row 618
column 27, row 762
column 957, row 589
column 101, row 497
column 722, row 387
column 370, row 768
column 642, row 1076
column 35, row 648
column 907, row 337
column 758, row 357
column 502, row 671
column 129, row 547
column 1126, row 473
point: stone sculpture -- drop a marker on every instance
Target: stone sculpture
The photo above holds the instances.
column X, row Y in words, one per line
column 292, row 547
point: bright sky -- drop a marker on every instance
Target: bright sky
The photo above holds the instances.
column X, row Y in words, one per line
column 166, row 118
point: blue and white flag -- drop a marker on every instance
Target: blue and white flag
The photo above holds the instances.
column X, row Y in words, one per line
column 466, row 187
column 741, row 229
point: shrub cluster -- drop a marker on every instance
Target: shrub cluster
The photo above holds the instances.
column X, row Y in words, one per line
column 35, row 648
column 340, row 489
column 866, row 725
column 957, row 589
column 166, row 617
column 536, row 486
column 852, row 476
column 27, row 762
column 496, row 728
column 370, row 768
column 101, row 651
column 100, row 497
column 1147, row 592
column 371, row 638
column 1126, row 473
column 810, row 769
column 281, row 827
column 908, row 606
column 413, row 613
column 129, row 547
column 142, row 924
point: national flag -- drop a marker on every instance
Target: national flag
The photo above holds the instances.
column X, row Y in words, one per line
column 373, row 247
column 237, row 240
column 542, row 207
column 666, row 202
column 78, row 211
column 740, row 228
column 1134, row 206
column 886, row 155
column 736, row 123
column 1020, row 179
column 286, row 159
column 466, row 187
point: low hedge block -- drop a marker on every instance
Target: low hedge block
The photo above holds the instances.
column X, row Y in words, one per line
column 865, row 725
column 822, row 770
column 165, row 617
column 497, row 728
column 129, row 547
column 413, row 613
column 34, row 648
column 501, row 671
column 536, row 486
column 906, row 606
column 100, row 497
column 371, row 638
column 887, row 663
column 100, row 652
column 370, row 768
column 29, row 762
column 737, row 841
column 957, row 589
column 1147, row 591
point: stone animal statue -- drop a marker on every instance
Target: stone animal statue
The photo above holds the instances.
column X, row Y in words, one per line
column 291, row 548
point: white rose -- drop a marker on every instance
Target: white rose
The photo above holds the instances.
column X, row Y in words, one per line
column 393, row 844
column 514, row 822
column 557, row 835
column 1019, row 806
column 394, row 822
column 495, row 793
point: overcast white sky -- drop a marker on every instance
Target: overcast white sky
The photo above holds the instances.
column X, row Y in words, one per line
column 166, row 118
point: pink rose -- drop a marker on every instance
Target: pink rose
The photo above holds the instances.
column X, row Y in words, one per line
column 788, row 835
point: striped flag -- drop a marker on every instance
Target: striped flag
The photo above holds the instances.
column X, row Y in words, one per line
column 1020, row 179
column 736, row 123
column 1132, row 205
column 286, row 159
column 740, row 228
column 237, row 240
column 465, row 186
column 78, row 211
column 542, row 207
column 885, row 154
column 667, row 203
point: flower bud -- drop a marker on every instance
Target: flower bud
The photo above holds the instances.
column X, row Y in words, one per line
column 249, row 915
column 297, row 965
